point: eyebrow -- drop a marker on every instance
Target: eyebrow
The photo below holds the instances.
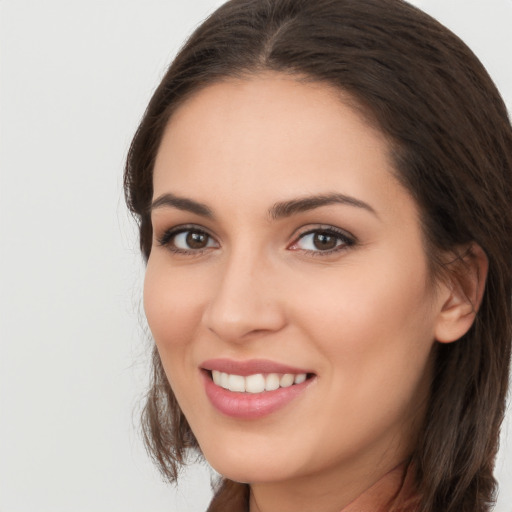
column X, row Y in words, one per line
column 303, row 204
column 182, row 203
column 277, row 211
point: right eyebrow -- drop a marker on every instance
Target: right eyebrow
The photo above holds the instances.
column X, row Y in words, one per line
column 181, row 203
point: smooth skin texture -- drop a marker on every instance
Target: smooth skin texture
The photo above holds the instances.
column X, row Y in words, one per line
column 341, row 288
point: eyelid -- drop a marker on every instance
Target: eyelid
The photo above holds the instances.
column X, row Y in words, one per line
column 165, row 239
column 347, row 238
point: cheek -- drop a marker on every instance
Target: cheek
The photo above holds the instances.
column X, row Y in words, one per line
column 363, row 306
column 172, row 305
column 374, row 324
column 375, row 336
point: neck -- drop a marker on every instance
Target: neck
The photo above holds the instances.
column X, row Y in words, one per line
column 330, row 492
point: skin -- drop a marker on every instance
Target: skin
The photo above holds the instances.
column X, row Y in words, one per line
column 363, row 317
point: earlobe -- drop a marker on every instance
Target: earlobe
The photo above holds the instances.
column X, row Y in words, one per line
column 463, row 292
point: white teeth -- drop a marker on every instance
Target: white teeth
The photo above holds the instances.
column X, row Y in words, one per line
column 272, row 381
column 236, row 383
column 256, row 383
column 300, row 378
column 286, row 380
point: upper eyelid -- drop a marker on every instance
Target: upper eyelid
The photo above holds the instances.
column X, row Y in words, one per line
column 170, row 233
column 348, row 240
column 306, row 230
column 180, row 228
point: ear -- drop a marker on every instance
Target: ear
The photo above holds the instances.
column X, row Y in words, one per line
column 462, row 292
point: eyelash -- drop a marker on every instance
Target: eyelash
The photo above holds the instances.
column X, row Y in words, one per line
column 168, row 237
column 345, row 238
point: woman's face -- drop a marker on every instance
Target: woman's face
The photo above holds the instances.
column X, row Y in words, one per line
column 285, row 249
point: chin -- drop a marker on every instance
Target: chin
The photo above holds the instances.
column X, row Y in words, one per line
column 250, row 468
column 250, row 474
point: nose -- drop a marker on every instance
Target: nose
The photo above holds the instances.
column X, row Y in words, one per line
column 246, row 302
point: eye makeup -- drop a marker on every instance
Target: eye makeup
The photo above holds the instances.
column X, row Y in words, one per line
column 187, row 239
column 192, row 239
column 323, row 240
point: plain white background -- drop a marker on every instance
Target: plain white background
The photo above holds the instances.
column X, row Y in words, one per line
column 75, row 77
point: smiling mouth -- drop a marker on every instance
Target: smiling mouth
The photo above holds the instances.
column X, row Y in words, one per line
column 253, row 389
column 258, row 382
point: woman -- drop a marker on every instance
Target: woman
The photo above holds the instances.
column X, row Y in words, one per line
column 323, row 196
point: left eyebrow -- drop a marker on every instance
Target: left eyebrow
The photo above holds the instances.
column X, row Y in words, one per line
column 303, row 204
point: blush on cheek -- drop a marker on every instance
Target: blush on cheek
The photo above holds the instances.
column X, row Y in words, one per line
column 173, row 312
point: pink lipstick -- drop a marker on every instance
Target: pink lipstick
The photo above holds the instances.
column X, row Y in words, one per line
column 252, row 389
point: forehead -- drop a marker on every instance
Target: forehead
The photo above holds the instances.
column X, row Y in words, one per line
column 273, row 134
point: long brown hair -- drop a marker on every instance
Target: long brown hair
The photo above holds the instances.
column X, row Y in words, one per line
column 452, row 146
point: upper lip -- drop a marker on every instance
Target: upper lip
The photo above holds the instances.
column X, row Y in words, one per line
column 250, row 367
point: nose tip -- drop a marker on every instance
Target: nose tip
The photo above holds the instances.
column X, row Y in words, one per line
column 245, row 305
column 239, row 321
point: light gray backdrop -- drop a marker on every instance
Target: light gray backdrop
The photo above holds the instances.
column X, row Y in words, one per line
column 75, row 77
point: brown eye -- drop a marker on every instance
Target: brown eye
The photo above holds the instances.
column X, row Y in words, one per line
column 196, row 240
column 188, row 240
column 325, row 241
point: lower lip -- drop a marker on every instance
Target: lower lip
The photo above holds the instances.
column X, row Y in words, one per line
column 251, row 405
